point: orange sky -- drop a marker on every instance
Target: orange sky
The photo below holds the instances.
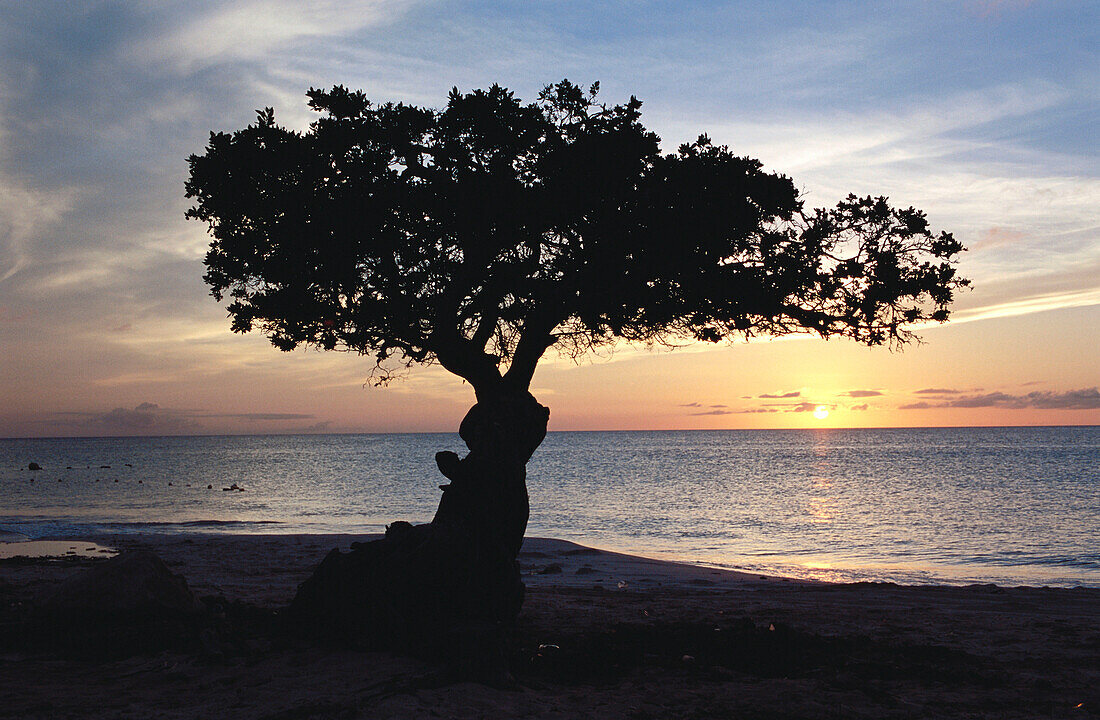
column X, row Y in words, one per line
column 1032, row 369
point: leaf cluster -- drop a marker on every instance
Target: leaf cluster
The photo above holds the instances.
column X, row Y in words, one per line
column 481, row 234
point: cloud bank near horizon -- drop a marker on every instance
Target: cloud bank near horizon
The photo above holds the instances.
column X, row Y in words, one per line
column 1084, row 399
column 149, row 418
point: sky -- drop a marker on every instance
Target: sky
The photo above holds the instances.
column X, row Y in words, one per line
column 983, row 113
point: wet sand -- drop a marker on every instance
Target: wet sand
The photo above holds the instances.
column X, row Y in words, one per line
column 602, row 635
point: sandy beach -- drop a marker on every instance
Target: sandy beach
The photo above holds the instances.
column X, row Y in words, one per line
column 601, row 635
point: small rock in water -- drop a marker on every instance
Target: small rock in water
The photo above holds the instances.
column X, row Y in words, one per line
column 209, row 487
column 34, row 466
column 104, row 467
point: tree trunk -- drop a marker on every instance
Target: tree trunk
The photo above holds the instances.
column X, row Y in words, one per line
column 423, row 584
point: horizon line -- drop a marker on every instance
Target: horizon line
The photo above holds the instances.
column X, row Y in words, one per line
column 549, row 432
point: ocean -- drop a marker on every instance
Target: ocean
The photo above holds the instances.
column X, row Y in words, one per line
column 1013, row 506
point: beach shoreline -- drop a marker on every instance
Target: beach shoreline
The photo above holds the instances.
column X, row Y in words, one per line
column 636, row 638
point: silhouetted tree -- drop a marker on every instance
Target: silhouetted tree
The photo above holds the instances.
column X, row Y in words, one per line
column 483, row 234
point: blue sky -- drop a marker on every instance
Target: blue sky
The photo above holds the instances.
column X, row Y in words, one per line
column 981, row 113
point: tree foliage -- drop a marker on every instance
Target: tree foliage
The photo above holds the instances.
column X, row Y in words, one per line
column 481, row 234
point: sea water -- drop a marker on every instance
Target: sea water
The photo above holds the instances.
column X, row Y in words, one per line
column 948, row 505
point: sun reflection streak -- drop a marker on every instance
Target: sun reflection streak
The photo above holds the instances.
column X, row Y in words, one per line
column 822, row 510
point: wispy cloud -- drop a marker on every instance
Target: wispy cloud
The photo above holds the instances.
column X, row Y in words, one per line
column 1021, row 209
column 861, row 393
column 792, row 394
column 25, row 216
column 251, row 30
column 996, row 237
column 1029, row 305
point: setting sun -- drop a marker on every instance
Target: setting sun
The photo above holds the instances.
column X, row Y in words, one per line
column 821, row 412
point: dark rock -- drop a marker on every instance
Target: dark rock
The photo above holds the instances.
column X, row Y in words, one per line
column 396, row 531
column 551, row 569
column 414, row 588
column 210, row 643
column 34, row 466
column 137, row 581
column 448, row 463
column 586, row 570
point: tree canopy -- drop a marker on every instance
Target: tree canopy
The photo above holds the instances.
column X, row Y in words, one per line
column 481, row 234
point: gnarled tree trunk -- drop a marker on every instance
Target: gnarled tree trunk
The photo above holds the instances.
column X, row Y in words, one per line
column 422, row 584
